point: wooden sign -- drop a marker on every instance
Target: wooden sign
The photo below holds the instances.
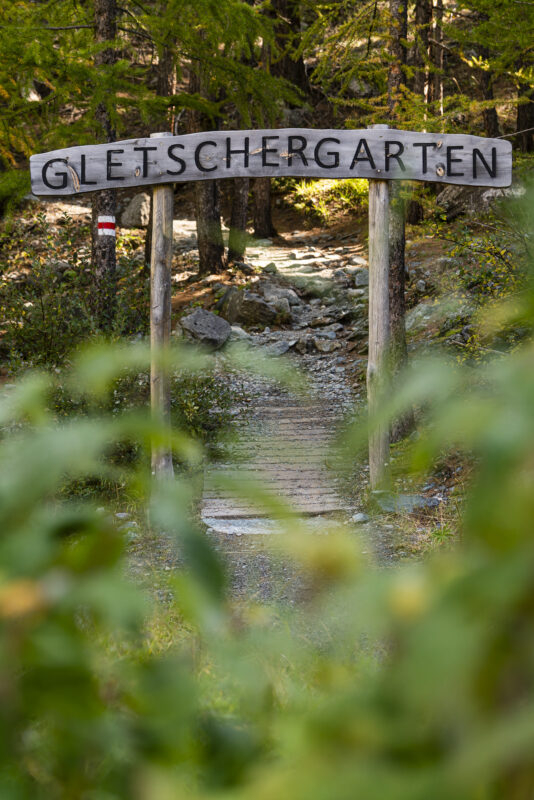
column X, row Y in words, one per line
column 374, row 154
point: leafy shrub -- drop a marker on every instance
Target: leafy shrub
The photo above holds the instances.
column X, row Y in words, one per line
column 322, row 197
column 409, row 683
column 48, row 309
column 14, row 184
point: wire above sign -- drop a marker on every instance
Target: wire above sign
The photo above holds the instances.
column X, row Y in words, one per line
column 374, row 154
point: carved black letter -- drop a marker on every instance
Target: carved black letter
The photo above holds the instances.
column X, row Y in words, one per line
column 198, row 162
column 180, row 161
column 367, row 157
column 424, row 147
column 396, row 156
column 265, row 150
column 83, row 178
column 62, row 175
column 292, row 150
column 145, row 158
column 492, row 171
column 110, row 164
column 335, row 154
column 230, row 152
column 451, row 161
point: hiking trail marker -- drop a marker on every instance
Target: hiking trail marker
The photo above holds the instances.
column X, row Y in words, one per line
column 378, row 154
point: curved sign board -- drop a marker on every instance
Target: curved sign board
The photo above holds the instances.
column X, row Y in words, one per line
column 380, row 154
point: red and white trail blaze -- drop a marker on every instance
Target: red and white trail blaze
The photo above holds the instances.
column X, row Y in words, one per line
column 106, row 226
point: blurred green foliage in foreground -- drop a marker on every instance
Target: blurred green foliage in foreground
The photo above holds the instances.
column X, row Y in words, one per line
column 408, row 683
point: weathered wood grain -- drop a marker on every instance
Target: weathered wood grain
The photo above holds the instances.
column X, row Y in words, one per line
column 378, row 326
column 375, row 154
column 160, row 321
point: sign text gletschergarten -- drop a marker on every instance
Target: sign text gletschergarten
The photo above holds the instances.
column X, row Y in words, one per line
column 374, row 154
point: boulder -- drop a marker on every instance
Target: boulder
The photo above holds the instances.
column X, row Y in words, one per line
column 253, row 310
column 324, row 345
column 239, row 335
column 360, row 276
column 282, row 306
column 279, row 348
column 229, row 304
column 357, row 261
column 206, row 327
column 273, row 293
column 304, row 344
column 137, row 212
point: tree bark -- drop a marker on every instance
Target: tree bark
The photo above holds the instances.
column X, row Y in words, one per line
column 104, row 203
column 525, row 118
column 207, row 201
column 398, row 351
column 423, row 21
column 438, row 58
column 491, row 119
column 263, row 223
column 237, row 240
column 287, row 33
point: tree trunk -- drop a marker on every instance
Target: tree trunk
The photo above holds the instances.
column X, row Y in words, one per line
column 525, row 118
column 398, row 10
column 287, row 33
column 438, row 59
column 398, row 352
column 209, row 231
column 423, row 21
column 166, row 85
column 263, row 224
column 237, row 240
column 104, row 203
column 491, row 120
column 207, row 208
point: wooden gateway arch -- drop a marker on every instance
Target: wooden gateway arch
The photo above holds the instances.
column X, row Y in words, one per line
column 378, row 154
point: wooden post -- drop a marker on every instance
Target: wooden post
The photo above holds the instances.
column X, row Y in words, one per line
column 378, row 322
column 160, row 318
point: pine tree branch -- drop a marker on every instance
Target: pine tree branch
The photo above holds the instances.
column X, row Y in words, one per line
column 66, row 27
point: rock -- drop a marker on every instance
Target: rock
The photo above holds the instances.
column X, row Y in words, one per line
column 137, row 212
column 324, row 345
column 270, row 269
column 273, row 293
column 304, row 344
column 417, row 318
column 238, row 334
column 207, row 327
column 356, row 292
column 420, row 286
column 457, row 200
column 253, row 310
column 340, row 274
column 248, row 269
column 360, row 88
column 229, row 304
column 359, row 518
column 318, row 322
column 327, row 334
column 357, row 261
column 402, row 503
column 278, row 348
column 282, row 306
column 316, row 288
column 360, row 276
column 451, row 312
